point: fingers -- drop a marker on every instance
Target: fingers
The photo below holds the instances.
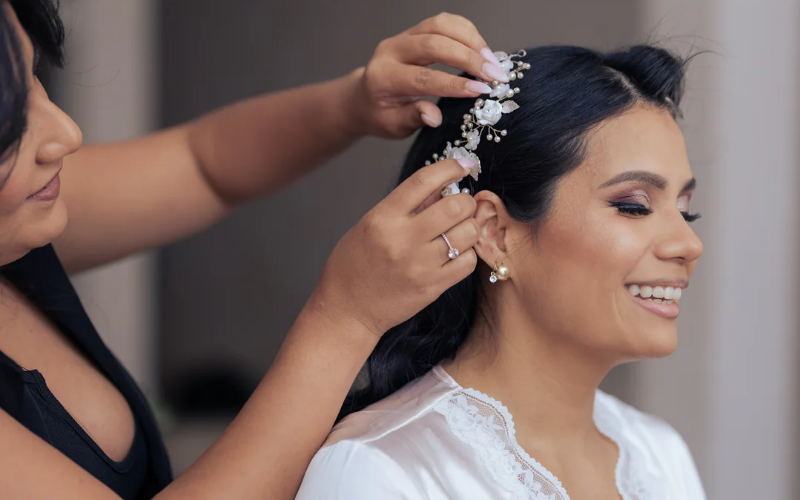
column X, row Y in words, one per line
column 415, row 115
column 452, row 26
column 426, row 49
column 429, row 113
column 418, row 81
column 444, row 214
column 462, row 237
column 409, row 195
column 457, row 270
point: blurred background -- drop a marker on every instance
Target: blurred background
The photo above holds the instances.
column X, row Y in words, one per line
column 198, row 323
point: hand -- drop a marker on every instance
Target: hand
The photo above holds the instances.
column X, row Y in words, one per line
column 394, row 262
column 386, row 91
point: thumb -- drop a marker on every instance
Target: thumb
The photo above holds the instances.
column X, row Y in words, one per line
column 418, row 114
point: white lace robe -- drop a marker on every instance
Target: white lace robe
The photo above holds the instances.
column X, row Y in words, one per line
column 435, row 440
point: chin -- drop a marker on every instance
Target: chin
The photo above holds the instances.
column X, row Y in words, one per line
column 37, row 232
column 656, row 343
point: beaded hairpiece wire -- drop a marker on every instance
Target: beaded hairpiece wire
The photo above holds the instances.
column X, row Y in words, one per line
column 485, row 115
column 487, row 112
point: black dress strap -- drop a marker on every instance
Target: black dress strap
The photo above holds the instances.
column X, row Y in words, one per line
column 41, row 277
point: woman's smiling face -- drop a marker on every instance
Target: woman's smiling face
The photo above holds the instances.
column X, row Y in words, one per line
column 607, row 265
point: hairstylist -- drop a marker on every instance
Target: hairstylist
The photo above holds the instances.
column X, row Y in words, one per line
column 73, row 425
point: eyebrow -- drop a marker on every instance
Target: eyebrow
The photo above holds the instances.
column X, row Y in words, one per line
column 655, row 180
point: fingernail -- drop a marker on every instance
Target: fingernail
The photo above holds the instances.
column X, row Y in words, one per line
column 466, row 163
column 495, row 73
column 429, row 121
column 479, row 87
column 487, row 54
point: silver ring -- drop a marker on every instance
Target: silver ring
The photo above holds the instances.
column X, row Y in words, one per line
column 453, row 253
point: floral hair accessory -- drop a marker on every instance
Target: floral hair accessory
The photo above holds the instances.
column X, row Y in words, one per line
column 484, row 116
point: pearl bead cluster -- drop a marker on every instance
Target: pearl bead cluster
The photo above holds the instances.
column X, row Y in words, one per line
column 485, row 114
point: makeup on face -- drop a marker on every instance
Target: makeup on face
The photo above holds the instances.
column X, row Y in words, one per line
column 636, row 195
column 637, row 201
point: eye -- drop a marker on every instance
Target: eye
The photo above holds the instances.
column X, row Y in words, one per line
column 690, row 217
column 628, row 208
column 683, row 206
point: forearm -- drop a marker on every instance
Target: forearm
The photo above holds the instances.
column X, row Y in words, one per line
column 259, row 145
column 264, row 453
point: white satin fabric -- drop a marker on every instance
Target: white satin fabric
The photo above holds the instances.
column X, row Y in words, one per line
column 435, row 440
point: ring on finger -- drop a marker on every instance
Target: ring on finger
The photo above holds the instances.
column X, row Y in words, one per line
column 452, row 254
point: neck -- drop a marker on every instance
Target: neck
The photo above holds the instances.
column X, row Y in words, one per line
column 547, row 382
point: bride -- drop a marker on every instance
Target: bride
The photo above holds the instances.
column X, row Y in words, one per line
column 582, row 218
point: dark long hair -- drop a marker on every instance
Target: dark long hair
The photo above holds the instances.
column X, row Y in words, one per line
column 40, row 20
column 567, row 91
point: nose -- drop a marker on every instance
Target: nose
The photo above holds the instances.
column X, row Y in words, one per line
column 60, row 135
column 679, row 243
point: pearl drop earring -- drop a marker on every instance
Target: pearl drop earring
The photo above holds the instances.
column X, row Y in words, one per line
column 500, row 273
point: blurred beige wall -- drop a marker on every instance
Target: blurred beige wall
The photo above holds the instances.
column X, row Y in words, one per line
column 732, row 388
column 109, row 87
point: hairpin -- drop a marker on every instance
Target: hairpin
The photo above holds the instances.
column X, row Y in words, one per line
column 484, row 116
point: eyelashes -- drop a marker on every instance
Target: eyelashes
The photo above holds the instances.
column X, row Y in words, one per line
column 638, row 210
column 690, row 217
column 631, row 208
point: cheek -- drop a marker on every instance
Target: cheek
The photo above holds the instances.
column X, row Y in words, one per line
column 18, row 185
column 599, row 249
column 13, row 195
column 579, row 267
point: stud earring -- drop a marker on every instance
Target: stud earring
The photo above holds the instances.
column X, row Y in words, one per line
column 500, row 273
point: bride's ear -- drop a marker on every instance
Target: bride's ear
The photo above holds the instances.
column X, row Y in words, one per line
column 493, row 220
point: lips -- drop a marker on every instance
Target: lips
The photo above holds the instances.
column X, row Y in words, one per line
column 660, row 299
column 48, row 193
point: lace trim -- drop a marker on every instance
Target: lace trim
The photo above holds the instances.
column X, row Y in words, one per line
column 630, row 470
column 486, row 425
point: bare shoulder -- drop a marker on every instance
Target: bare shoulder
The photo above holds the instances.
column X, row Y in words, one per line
column 31, row 468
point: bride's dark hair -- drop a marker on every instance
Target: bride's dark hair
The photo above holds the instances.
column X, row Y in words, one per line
column 567, row 91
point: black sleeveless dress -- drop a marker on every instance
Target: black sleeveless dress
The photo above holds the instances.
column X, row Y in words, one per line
column 25, row 396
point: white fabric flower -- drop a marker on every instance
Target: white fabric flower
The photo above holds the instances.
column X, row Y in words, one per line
column 490, row 113
column 473, row 139
column 476, row 170
column 452, row 153
column 500, row 90
column 507, row 65
column 451, row 189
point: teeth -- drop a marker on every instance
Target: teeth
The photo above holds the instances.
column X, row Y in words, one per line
column 659, row 294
